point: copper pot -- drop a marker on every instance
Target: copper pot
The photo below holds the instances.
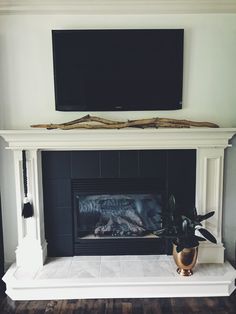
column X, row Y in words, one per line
column 185, row 260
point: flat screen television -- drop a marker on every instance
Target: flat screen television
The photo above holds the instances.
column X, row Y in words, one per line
column 118, row 69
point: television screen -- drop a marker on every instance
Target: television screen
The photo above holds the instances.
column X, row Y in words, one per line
column 118, row 69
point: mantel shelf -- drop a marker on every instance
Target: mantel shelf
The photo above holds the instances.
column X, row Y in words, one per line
column 192, row 138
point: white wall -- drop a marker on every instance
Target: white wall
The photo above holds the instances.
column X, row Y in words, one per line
column 26, row 78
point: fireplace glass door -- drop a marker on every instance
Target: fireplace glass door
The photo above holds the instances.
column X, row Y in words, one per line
column 117, row 215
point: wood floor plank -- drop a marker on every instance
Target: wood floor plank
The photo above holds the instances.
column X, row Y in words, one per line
column 126, row 308
column 211, row 305
column 150, row 306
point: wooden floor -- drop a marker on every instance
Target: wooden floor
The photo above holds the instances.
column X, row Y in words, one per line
column 220, row 305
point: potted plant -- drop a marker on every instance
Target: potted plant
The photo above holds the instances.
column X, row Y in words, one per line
column 186, row 232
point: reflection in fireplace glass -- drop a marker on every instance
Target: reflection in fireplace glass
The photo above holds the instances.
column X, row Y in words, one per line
column 119, row 215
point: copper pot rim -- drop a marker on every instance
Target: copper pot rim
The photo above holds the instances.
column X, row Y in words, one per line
column 190, row 247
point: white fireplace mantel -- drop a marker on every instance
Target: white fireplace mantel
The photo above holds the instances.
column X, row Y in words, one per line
column 129, row 139
column 210, row 144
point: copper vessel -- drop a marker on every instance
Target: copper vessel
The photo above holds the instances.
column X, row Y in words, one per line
column 185, row 260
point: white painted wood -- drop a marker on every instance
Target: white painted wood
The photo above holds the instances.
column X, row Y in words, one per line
column 211, row 253
column 209, row 143
column 19, row 195
column 117, row 6
column 209, row 195
column 31, row 249
column 59, row 279
column 127, row 139
column 37, row 196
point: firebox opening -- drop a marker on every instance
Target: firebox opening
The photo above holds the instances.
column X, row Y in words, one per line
column 118, row 209
column 117, row 215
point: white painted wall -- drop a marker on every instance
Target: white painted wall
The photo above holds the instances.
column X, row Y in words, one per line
column 26, row 78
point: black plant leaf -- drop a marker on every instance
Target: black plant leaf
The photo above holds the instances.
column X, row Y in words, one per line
column 191, row 242
column 179, row 248
column 194, row 213
column 200, row 238
column 204, row 217
column 180, row 226
column 207, row 235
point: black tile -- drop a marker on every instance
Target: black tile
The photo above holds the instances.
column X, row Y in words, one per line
column 85, row 164
column 60, row 245
column 57, row 193
column 59, row 220
column 153, row 164
column 109, row 164
column 129, row 164
column 182, row 177
column 56, row 164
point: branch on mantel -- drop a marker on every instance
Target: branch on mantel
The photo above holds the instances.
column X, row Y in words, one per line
column 87, row 122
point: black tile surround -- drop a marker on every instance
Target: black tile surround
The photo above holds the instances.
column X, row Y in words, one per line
column 174, row 170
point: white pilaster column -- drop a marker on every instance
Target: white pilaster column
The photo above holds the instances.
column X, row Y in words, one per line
column 209, row 194
column 32, row 247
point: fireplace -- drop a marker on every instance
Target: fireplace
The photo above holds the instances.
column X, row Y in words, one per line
column 111, row 202
column 208, row 144
column 53, row 218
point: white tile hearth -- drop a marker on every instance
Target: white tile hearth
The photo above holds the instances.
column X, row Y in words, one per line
column 117, row 277
column 110, row 269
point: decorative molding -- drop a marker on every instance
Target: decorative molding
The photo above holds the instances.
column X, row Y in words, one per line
column 209, row 194
column 116, row 6
column 118, row 139
column 31, row 237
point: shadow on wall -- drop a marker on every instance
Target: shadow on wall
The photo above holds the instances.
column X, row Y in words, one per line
column 229, row 212
column 2, row 285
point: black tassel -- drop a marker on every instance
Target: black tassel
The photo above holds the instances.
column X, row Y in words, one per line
column 27, row 210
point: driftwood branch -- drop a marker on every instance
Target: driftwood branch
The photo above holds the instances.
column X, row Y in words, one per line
column 93, row 122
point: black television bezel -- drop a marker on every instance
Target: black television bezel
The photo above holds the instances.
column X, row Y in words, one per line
column 80, row 108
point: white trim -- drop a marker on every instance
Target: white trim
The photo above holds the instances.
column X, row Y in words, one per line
column 31, row 236
column 209, row 194
column 116, row 6
column 126, row 139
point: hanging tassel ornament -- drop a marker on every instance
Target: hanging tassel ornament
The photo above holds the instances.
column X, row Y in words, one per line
column 27, row 210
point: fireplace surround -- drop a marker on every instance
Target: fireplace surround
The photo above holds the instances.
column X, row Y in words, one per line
column 95, row 179
column 208, row 143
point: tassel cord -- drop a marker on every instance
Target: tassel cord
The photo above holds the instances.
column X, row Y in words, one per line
column 25, row 183
column 27, row 210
